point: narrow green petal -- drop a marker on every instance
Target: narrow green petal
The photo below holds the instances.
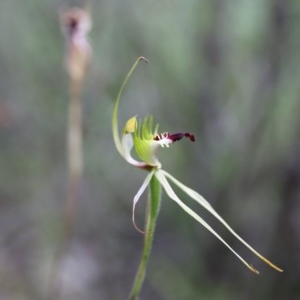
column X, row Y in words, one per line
column 138, row 195
column 165, row 184
column 115, row 126
column 198, row 198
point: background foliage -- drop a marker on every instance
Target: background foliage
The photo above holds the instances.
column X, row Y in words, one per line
column 226, row 70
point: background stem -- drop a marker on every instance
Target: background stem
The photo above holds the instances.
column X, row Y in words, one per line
column 75, row 167
column 153, row 205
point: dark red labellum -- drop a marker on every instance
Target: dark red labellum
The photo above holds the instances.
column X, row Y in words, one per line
column 175, row 136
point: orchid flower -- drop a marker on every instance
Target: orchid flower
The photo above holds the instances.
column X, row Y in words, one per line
column 144, row 138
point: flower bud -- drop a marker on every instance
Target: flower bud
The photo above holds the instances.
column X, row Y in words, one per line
column 76, row 24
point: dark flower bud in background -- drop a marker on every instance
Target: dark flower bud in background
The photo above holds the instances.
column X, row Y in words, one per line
column 76, row 23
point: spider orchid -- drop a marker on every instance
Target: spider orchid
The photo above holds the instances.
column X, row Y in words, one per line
column 143, row 136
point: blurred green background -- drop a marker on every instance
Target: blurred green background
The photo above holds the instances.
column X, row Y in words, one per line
column 227, row 71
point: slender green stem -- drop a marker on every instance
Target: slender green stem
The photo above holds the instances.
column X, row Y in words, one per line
column 153, row 206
